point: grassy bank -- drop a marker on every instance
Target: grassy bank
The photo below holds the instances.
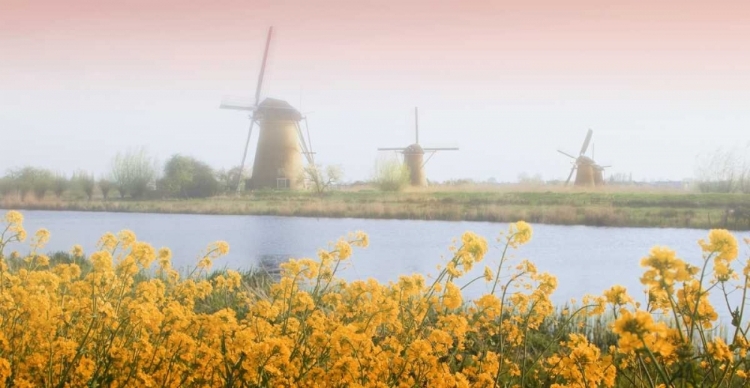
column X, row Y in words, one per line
column 604, row 208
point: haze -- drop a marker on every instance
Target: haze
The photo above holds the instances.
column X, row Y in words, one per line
column 508, row 82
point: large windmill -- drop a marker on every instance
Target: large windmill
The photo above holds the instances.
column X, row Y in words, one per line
column 414, row 156
column 588, row 172
column 278, row 156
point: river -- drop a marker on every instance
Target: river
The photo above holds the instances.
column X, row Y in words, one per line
column 584, row 259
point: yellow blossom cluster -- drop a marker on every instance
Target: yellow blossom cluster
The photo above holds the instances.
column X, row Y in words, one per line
column 109, row 319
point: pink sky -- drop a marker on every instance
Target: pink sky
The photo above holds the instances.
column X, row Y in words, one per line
column 439, row 54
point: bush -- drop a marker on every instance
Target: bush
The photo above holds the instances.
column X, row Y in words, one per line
column 134, row 172
column 187, row 177
column 391, row 174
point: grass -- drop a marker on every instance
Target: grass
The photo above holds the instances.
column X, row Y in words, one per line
column 631, row 207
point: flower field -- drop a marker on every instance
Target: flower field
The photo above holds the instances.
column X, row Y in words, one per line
column 123, row 316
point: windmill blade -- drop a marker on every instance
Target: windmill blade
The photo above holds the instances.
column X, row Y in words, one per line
column 309, row 140
column 586, row 142
column 305, row 150
column 572, row 170
column 440, row 149
column 244, row 155
column 263, row 67
column 392, row 149
column 416, row 122
column 233, row 106
column 567, row 154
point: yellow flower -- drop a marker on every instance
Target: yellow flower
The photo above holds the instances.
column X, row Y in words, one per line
column 77, row 251
column 721, row 242
column 488, row 274
column 520, row 233
column 452, row 296
column 13, row 217
column 618, row 295
column 42, row 260
column 164, row 256
column 343, row 249
column 108, row 242
column 126, row 237
column 41, row 237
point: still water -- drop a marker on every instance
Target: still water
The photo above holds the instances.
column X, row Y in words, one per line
column 584, row 259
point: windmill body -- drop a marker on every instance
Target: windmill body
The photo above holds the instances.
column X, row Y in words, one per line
column 414, row 156
column 588, row 172
column 278, row 156
column 414, row 160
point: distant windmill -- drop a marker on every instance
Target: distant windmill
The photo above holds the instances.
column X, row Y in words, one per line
column 414, row 156
column 278, row 162
column 588, row 172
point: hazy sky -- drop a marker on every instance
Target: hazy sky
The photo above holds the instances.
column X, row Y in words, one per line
column 508, row 82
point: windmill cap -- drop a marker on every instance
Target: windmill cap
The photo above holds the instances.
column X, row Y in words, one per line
column 274, row 109
column 414, row 149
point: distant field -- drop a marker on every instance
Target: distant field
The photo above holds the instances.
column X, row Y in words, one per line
column 634, row 207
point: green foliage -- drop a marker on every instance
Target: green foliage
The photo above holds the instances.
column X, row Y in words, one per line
column 84, row 182
column 188, row 177
column 391, row 174
column 133, row 172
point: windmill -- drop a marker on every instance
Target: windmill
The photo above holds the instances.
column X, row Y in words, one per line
column 589, row 173
column 278, row 161
column 414, row 156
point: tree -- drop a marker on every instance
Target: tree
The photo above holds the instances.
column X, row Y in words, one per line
column 60, row 184
column 133, row 172
column 228, row 179
column 84, row 182
column 319, row 179
column 188, row 177
column 31, row 179
column 391, row 175
column 106, row 186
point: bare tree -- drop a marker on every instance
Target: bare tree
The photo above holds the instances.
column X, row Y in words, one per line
column 723, row 171
column 321, row 179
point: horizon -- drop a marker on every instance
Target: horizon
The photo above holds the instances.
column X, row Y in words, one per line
column 507, row 83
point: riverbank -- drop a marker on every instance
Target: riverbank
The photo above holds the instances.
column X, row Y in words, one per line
column 622, row 209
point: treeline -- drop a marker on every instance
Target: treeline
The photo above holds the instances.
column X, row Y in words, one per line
column 133, row 174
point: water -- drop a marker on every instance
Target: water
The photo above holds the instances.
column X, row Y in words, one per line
column 584, row 259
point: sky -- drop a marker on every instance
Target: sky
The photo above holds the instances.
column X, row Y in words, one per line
column 508, row 82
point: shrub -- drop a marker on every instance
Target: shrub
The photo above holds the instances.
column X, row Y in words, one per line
column 187, row 177
column 391, row 175
column 134, row 172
